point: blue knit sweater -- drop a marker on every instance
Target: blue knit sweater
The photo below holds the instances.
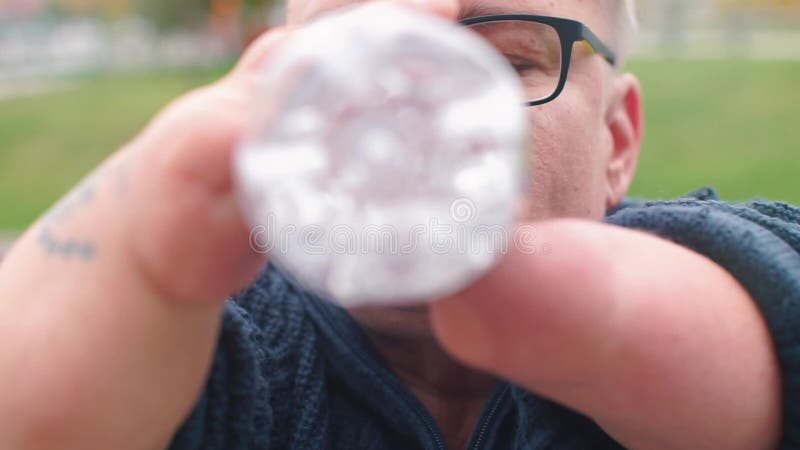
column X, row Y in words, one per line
column 294, row 372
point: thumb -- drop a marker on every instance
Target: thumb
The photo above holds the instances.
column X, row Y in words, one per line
column 539, row 318
column 630, row 329
column 260, row 50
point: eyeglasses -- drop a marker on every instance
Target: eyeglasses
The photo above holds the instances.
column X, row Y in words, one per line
column 539, row 48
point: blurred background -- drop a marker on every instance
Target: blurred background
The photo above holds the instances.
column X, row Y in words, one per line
column 78, row 78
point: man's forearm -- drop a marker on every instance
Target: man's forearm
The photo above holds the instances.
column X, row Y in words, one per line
column 91, row 354
column 658, row 344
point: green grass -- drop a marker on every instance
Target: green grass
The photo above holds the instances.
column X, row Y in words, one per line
column 50, row 142
column 734, row 125
column 730, row 124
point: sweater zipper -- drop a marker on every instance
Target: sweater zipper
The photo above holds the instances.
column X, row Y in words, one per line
column 423, row 415
column 432, row 429
column 483, row 428
column 392, row 384
column 488, row 420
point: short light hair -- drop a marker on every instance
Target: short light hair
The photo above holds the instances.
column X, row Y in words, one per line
column 629, row 12
column 626, row 26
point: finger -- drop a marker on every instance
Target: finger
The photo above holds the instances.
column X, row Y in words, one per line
column 302, row 11
column 190, row 235
column 260, row 50
column 553, row 306
column 634, row 331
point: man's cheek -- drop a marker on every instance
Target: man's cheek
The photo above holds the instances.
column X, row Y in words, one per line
column 542, row 159
column 556, row 132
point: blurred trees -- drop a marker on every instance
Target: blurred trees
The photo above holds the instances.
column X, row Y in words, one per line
column 170, row 14
column 187, row 13
column 173, row 14
column 759, row 3
column 110, row 8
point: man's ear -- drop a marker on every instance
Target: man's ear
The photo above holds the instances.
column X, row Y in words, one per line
column 625, row 121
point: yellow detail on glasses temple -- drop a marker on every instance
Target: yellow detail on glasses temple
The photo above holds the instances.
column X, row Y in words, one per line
column 589, row 46
column 600, row 52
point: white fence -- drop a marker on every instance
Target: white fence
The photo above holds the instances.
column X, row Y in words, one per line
column 34, row 49
column 702, row 29
column 41, row 48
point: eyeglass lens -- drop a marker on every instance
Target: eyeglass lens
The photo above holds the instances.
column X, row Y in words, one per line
column 533, row 49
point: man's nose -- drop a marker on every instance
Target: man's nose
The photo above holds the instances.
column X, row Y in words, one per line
column 301, row 11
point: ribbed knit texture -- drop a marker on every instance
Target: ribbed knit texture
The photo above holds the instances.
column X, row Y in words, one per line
column 294, row 372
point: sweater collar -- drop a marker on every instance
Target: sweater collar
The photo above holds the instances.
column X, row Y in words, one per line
column 512, row 417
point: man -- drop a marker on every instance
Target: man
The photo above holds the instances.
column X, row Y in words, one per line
column 110, row 305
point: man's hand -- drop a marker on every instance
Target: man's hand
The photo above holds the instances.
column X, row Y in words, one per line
column 659, row 345
column 110, row 304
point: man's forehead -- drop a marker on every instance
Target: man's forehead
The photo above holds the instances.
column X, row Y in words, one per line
column 593, row 13
column 589, row 12
column 471, row 8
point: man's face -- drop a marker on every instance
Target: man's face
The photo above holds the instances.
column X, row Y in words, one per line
column 585, row 142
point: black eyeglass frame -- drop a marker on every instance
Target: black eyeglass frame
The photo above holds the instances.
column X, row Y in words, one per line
column 569, row 31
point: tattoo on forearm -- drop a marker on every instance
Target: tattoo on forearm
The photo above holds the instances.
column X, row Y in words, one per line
column 79, row 198
column 67, row 248
column 53, row 239
column 62, row 212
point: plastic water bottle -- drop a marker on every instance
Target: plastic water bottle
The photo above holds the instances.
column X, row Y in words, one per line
column 387, row 157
